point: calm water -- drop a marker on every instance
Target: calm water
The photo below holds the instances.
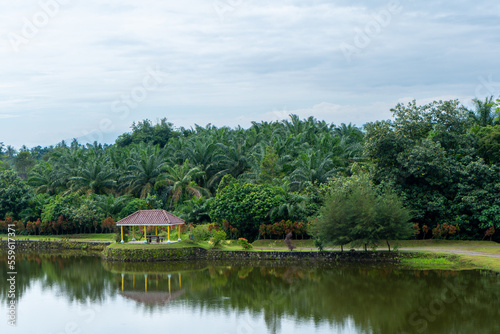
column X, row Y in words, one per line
column 70, row 294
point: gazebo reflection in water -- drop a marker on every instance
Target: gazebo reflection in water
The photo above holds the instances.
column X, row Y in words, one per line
column 152, row 289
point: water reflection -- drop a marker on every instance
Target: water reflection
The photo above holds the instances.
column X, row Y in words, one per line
column 315, row 297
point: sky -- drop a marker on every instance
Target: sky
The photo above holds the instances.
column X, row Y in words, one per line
column 88, row 69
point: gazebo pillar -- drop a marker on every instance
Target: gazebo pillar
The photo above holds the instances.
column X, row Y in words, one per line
column 145, row 238
column 179, row 233
column 133, row 233
column 168, row 228
column 122, row 234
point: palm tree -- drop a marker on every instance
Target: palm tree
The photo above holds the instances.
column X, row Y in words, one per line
column 111, row 205
column 483, row 114
column 95, row 177
column 233, row 160
column 181, row 180
column 312, row 167
column 44, row 179
column 201, row 153
column 144, row 168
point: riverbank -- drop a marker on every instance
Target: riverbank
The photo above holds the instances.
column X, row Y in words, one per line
column 57, row 244
column 417, row 254
column 153, row 253
column 447, row 259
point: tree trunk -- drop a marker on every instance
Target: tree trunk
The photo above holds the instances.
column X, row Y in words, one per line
column 342, row 248
column 388, row 245
column 366, row 250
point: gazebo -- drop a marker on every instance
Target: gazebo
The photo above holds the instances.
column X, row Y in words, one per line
column 156, row 297
column 147, row 218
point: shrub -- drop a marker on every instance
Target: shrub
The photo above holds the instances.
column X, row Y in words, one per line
column 244, row 243
column 201, row 233
column 108, row 224
column 489, row 232
column 217, row 237
column 318, row 243
column 444, row 230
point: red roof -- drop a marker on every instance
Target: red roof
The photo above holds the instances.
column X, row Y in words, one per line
column 150, row 217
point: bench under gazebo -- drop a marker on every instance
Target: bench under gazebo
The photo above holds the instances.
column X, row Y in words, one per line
column 154, row 218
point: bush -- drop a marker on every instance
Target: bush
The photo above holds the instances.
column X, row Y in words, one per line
column 244, row 243
column 444, row 230
column 217, row 237
column 200, row 233
column 318, row 243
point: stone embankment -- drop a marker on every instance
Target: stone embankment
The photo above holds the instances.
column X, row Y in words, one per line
column 33, row 245
column 197, row 253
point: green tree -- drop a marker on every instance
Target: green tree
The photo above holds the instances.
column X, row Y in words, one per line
column 88, row 215
column 144, row 169
column 180, row 179
column 23, row 162
column 15, row 194
column 147, row 132
column 95, row 177
column 148, row 203
column 484, row 112
column 270, row 168
column 44, row 179
column 246, row 206
column 489, row 144
column 357, row 211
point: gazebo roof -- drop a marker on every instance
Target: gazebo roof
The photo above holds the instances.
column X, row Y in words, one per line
column 150, row 218
column 152, row 298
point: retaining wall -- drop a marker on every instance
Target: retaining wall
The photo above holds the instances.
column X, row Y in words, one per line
column 54, row 244
column 196, row 253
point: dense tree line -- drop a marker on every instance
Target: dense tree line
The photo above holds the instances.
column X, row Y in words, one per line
column 442, row 159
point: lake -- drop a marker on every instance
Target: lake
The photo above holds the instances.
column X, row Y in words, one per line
column 83, row 294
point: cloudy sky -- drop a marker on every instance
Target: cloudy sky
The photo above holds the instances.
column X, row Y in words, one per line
column 88, row 69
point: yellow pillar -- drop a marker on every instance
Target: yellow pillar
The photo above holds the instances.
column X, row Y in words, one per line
column 156, row 230
column 145, row 238
column 134, row 281
column 169, row 283
column 180, row 281
column 133, row 233
column 122, row 234
column 168, row 228
column 123, row 282
column 146, row 283
column 179, row 239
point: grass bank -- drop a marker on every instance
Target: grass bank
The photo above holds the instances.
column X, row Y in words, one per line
column 429, row 260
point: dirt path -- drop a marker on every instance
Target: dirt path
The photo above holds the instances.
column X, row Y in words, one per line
column 451, row 250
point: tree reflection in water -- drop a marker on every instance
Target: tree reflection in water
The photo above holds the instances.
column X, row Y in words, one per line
column 375, row 298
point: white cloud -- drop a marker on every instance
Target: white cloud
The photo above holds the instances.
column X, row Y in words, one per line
column 259, row 58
